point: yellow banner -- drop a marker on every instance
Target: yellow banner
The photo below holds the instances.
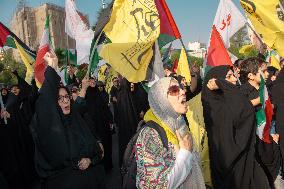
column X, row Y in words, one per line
column 27, row 60
column 268, row 20
column 133, row 28
column 275, row 62
column 197, row 128
column 183, row 66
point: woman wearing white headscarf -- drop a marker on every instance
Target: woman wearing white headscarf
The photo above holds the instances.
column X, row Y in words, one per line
column 176, row 165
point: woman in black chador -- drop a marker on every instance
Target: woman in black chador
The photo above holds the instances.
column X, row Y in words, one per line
column 230, row 124
column 17, row 149
column 132, row 103
column 97, row 106
column 67, row 154
column 278, row 101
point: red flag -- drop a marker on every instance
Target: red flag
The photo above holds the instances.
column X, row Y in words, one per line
column 175, row 66
column 168, row 28
column 217, row 53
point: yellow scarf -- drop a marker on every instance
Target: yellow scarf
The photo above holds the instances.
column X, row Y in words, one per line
column 149, row 116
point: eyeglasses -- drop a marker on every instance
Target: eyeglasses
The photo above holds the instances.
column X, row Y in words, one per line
column 62, row 98
column 174, row 90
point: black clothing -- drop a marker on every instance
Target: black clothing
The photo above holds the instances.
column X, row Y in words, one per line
column 278, row 101
column 129, row 105
column 230, row 124
column 62, row 140
column 267, row 154
column 251, row 93
column 98, row 109
column 114, row 93
column 17, row 148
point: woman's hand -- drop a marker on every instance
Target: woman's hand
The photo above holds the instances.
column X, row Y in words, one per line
column 5, row 114
column 102, row 148
column 212, row 84
column 84, row 163
column 185, row 142
column 51, row 59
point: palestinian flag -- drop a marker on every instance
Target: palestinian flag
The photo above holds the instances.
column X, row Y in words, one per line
column 45, row 46
column 9, row 39
column 168, row 28
column 264, row 115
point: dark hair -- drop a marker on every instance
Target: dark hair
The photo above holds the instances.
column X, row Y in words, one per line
column 15, row 85
column 63, row 87
column 249, row 65
column 238, row 62
column 272, row 70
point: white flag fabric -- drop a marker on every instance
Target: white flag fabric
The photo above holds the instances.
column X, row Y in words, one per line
column 78, row 30
column 228, row 20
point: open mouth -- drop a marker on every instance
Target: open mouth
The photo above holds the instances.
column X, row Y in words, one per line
column 67, row 108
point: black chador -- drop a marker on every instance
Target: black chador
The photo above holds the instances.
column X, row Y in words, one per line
column 230, row 124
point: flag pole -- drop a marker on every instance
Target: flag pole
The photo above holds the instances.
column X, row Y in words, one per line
column 92, row 55
column 187, row 54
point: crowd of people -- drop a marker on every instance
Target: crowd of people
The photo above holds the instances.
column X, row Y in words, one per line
column 61, row 136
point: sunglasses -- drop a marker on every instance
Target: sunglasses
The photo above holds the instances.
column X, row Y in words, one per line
column 174, row 90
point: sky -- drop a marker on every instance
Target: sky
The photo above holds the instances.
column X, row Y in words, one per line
column 194, row 18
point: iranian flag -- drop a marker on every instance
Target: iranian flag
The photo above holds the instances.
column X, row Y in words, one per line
column 44, row 47
column 264, row 115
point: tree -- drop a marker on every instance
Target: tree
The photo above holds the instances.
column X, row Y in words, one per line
column 9, row 64
column 239, row 40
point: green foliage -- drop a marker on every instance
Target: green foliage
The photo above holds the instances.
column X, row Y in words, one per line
column 238, row 41
column 197, row 61
column 9, row 64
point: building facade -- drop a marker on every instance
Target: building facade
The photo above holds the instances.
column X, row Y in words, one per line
column 28, row 24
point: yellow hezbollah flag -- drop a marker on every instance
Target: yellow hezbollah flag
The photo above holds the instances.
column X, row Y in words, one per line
column 133, row 28
column 275, row 62
column 268, row 20
column 197, row 128
column 28, row 61
column 183, row 66
column 102, row 73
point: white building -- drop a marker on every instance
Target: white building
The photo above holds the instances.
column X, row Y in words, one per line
column 197, row 49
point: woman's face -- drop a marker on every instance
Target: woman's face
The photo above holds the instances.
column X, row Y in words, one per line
column 101, row 88
column 64, row 101
column 4, row 92
column 231, row 77
column 177, row 98
column 75, row 92
column 132, row 87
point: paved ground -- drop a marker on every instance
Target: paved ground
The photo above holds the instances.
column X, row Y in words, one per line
column 114, row 178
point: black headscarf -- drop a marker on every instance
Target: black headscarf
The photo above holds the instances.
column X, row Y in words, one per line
column 230, row 124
